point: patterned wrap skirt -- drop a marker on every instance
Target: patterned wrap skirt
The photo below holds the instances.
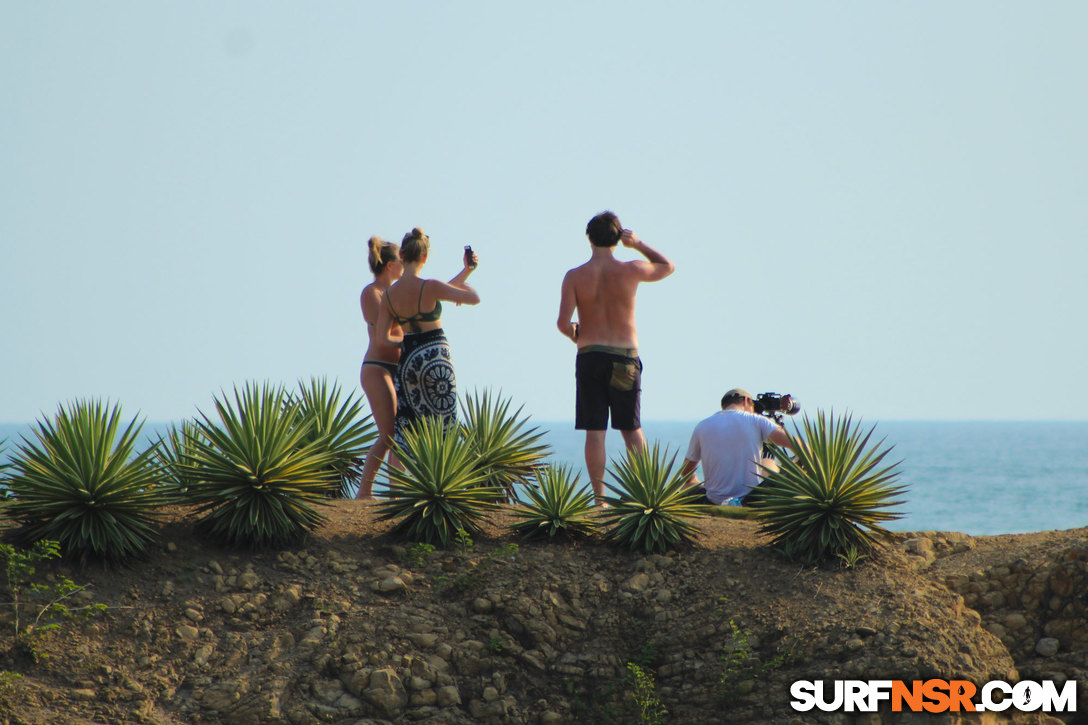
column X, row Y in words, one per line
column 425, row 382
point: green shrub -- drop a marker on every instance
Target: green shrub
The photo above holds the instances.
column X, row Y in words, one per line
column 648, row 706
column 506, row 452
column 652, row 508
column 339, row 427
column 253, row 476
column 38, row 603
column 83, row 485
column 556, row 506
column 440, row 492
column 829, row 501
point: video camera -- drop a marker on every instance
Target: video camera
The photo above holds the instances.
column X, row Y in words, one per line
column 773, row 405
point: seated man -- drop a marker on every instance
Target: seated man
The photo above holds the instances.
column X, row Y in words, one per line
column 730, row 446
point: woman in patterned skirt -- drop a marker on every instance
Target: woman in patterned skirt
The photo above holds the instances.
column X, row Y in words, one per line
column 426, row 385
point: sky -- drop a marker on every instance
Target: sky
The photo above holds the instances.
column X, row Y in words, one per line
column 877, row 207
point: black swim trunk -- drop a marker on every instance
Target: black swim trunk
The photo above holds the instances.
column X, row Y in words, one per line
column 609, row 380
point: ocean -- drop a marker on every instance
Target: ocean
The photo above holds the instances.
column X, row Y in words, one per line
column 976, row 477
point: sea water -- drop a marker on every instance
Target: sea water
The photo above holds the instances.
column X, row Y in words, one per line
column 975, row 477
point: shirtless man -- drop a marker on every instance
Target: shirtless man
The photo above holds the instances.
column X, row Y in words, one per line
column 607, row 369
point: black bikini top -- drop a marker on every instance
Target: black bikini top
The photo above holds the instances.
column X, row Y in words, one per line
column 419, row 316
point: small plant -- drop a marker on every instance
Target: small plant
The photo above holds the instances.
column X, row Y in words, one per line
column 254, row 477
column 82, row 484
column 652, row 506
column 474, row 575
column 647, row 655
column 340, row 428
column 464, row 542
column 417, row 554
column 556, row 506
column 648, row 705
column 851, row 557
column 440, row 492
column 740, row 663
column 494, row 645
column 832, row 497
column 506, row 452
column 47, row 603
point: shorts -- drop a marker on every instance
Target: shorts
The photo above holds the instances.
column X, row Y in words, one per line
column 609, row 380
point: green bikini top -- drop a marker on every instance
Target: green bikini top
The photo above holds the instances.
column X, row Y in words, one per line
column 418, row 317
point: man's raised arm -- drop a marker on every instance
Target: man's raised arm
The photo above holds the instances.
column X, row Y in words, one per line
column 659, row 266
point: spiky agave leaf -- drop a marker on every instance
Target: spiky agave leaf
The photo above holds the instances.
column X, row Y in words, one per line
column 173, row 451
column 82, row 484
column 832, row 497
column 254, row 477
column 652, row 508
column 440, row 491
column 340, row 427
column 556, row 505
column 507, row 453
column 5, row 492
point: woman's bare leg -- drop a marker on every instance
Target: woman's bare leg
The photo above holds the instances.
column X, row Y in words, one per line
column 380, row 394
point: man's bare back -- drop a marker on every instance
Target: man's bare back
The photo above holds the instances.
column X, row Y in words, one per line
column 602, row 291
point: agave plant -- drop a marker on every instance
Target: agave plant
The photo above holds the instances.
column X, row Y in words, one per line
column 441, row 491
column 506, row 452
column 829, row 501
column 652, row 508
column 82, row 484
column 173, row 451
column 252, row 474
column 555, row 506
column 4, row 465
column 340, row 427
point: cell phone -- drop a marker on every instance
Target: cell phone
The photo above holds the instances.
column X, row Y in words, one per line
column 468, row 252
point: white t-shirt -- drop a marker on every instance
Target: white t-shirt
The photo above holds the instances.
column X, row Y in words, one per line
column 730, row 446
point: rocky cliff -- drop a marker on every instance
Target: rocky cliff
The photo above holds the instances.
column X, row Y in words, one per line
column 351, row 626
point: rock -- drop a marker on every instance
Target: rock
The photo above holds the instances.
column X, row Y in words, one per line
column 550, row 717
column 222, row 697
column 481, row 605
column 328, row 691
column 386, row 692
column 84, row 694
column 1047, row 647
column 352, row 704
column 638, row 583
column 448, row 696
column 1015, row 621
column 187, row 633
column 193, row 615
column 249, row 580
column 490, row 694
column 389, row 584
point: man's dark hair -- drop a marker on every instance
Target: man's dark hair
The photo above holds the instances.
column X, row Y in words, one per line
column 604, row 229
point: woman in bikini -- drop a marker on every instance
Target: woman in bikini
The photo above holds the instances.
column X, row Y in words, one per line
column 425, row 381
column 380, row 361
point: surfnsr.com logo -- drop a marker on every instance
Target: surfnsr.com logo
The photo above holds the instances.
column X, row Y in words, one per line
column 933, row 696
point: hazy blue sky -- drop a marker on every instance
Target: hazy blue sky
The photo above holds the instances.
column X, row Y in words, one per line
column 875, row 206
